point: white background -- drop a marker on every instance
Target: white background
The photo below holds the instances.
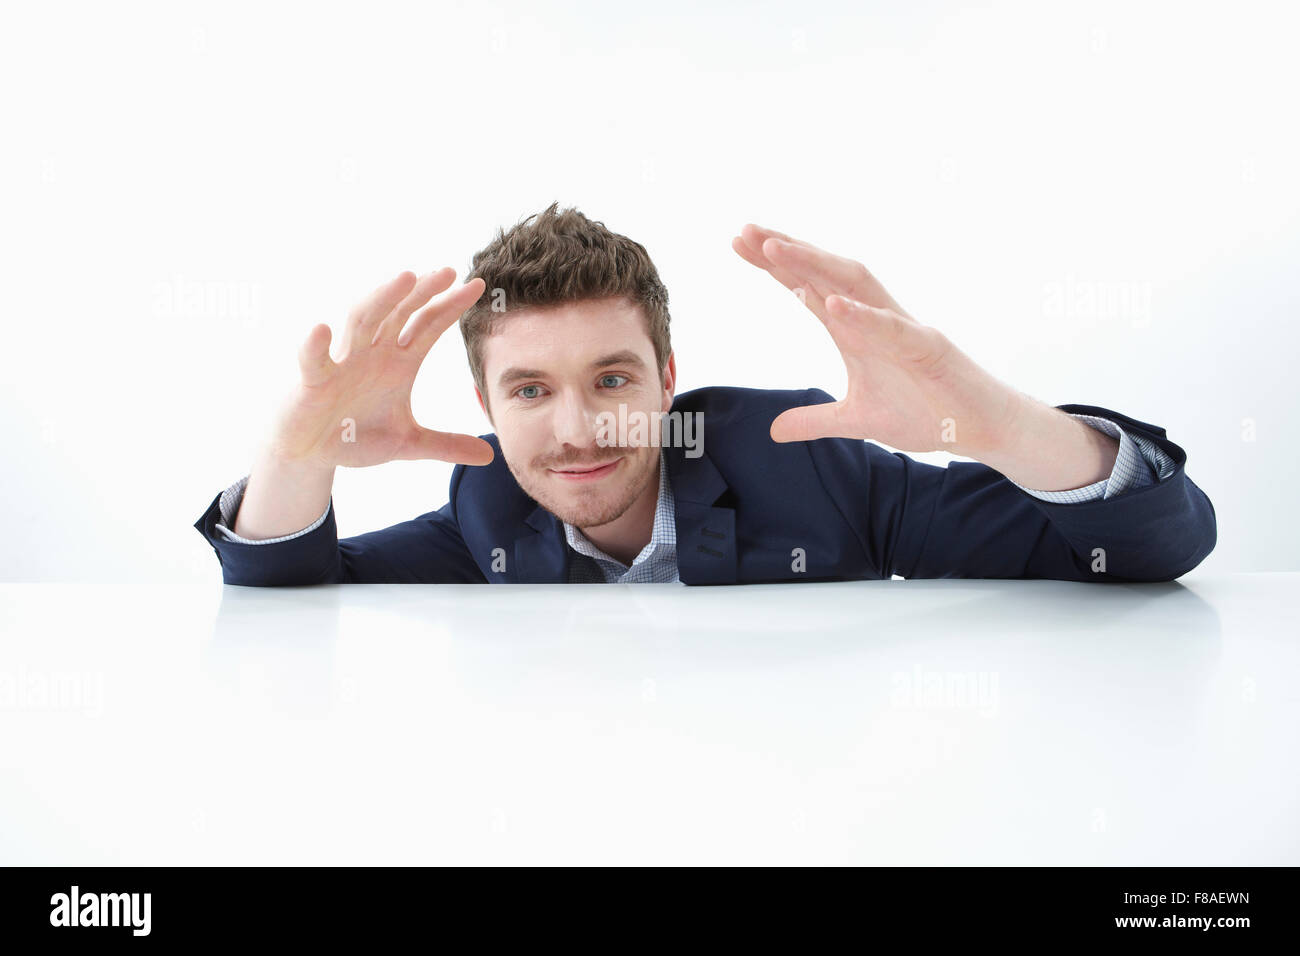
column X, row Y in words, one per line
column 1098, row 203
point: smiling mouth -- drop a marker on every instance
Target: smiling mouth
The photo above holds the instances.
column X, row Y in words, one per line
column 586, row 472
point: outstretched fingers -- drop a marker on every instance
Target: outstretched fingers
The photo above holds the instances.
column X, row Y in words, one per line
column 829, row 272
column 425, row 289
column 749, row 246
column 425, row 329
column 366, row 317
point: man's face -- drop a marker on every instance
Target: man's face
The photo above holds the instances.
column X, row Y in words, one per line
column 550, row 373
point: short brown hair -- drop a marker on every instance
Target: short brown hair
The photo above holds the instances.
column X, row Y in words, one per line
column 556, row 258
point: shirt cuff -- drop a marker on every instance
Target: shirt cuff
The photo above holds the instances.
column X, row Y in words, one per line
column 1139, row 463
column 233, row 497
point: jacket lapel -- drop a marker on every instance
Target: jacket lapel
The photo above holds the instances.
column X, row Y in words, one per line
column 706, row 532
column 541, row 553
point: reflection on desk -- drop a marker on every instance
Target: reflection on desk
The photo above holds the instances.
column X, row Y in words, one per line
column 897, row 722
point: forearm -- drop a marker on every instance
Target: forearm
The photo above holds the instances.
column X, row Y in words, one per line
column 1044, row 448
column 282, row 497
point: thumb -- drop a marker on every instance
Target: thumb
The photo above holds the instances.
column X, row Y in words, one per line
column 314, row 356
column 807, row 422
column 448, row 446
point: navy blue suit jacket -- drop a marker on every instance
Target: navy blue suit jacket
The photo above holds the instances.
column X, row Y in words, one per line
column 744, row 505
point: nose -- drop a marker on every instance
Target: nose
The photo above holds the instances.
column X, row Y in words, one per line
column 575, row 420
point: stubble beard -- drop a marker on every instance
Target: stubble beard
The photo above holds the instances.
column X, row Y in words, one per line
column 589, row 508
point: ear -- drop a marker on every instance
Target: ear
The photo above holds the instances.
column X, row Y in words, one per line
column 479, row 396
column 670, row 381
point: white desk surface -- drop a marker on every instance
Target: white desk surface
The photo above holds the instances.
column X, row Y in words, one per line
column 889, row 722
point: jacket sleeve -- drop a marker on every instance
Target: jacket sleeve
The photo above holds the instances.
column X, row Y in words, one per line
column 967, row 520
column 425, row 550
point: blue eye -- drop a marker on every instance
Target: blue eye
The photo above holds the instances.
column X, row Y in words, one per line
column 603, row 377
column 521, row 391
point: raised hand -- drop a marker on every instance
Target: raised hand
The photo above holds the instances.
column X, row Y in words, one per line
column 356, row 410
column 908, row 385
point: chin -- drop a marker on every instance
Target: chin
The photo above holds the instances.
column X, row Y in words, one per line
column 588, row 518
column 589, row 511
column 589, row 504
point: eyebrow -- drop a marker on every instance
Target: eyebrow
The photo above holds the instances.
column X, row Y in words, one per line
column 621, row 357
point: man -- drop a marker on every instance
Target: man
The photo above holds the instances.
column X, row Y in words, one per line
column 775, row 486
